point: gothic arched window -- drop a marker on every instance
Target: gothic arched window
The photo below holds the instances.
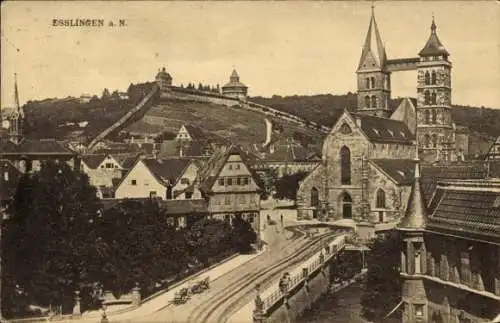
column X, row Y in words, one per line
column 367, row 82
column 380, row 199
column 314, row 197
column 372, row 79
column 427, row 141
column 427, row 78
column 427, row 98
column 427, row 116
column 374, row 101
column 367, row 101
column 434, row 141
column 434, row 116
column 433, row 81
column 433, row 98
column 345, row 166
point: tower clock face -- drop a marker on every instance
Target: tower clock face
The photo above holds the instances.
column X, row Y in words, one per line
column 6, row 124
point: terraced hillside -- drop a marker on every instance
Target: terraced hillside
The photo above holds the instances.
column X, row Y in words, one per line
column 234, row 123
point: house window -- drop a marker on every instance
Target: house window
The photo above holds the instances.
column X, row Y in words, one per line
column 152, row 194
column 6, row 176
column 245, row 181
column 188, row 195
column 221, row 181
column 419, row 310
column 185, row 181
column 227, row 200
column 367, row 83
column 133, row 182
column 380, row 198
column 427, row 78
column 237, row 166
column 243, row 199
column 230, row 167
column 433, row 78
column 345, row 166
column 433, row 98
column 367, row 102
column 110, row 165
column 372, row 81
column 229, row 181
column 238, row 181
column 374, row 101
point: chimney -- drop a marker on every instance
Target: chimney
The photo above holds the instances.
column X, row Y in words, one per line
column 269, row 131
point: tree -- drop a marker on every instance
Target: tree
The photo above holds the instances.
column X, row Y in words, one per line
column 287, row 186
column 207, row 239
column 115, row 95
column 243, row 235
column 50, row 236
column 141, row 246
column 383, row 284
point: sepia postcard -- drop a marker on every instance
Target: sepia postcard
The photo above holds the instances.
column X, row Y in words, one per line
column 250, row 161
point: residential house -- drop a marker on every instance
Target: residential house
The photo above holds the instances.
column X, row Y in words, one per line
column 105, row 170
column 231, row 187
column 163, row 178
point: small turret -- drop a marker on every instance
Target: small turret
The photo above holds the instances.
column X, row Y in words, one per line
column 434, row 47
column 17, row 119
column 235, row 88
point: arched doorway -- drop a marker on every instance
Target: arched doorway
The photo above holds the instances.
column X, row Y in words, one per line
column 315, row 201
column 346, row 206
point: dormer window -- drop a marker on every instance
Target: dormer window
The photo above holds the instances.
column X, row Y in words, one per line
column 391, row 133
column 402, row 134
column 376, row 131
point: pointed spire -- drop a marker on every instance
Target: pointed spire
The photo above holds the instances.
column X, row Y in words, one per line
column 16, row 98
column 373, row 46
column 433, row 47
column 416, row 213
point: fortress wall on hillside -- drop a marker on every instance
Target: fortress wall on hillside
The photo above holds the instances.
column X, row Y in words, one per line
column 188, row 95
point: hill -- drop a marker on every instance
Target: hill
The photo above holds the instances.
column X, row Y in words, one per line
column 326, row 109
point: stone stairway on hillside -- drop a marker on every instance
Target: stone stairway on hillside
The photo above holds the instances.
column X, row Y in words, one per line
column 143, row 104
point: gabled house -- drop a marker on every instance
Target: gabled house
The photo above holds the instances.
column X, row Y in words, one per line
column 189, row 132
column 163, row 178
column 231, row 187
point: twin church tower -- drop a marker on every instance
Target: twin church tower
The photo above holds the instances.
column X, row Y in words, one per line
column 434, row 125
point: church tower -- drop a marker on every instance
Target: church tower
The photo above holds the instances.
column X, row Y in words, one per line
column 434, row 122
column 413, row 255
column 374, row 80
column 17, row 118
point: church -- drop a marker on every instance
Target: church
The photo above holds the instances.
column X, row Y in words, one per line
column 368, row 157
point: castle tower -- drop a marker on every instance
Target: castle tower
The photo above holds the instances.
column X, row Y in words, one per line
column 235, row 88
column 163, row 79
column 434, row 122
column 16, row 122
column 374, row 80
column 413, row 255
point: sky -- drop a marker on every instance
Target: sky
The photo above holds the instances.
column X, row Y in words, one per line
column 283, row 48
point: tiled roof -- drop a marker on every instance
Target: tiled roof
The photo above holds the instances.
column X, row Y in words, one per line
column 192, row 148
column 94, row 160
column 209, row 173
column 195, row 132
column 290, row 153
column 167, row 169
column 187, row 206
column 465, row 210
column 432, row 174
column 35, row 147
column 383, row 130
column 8, row 187
column 402, row 171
